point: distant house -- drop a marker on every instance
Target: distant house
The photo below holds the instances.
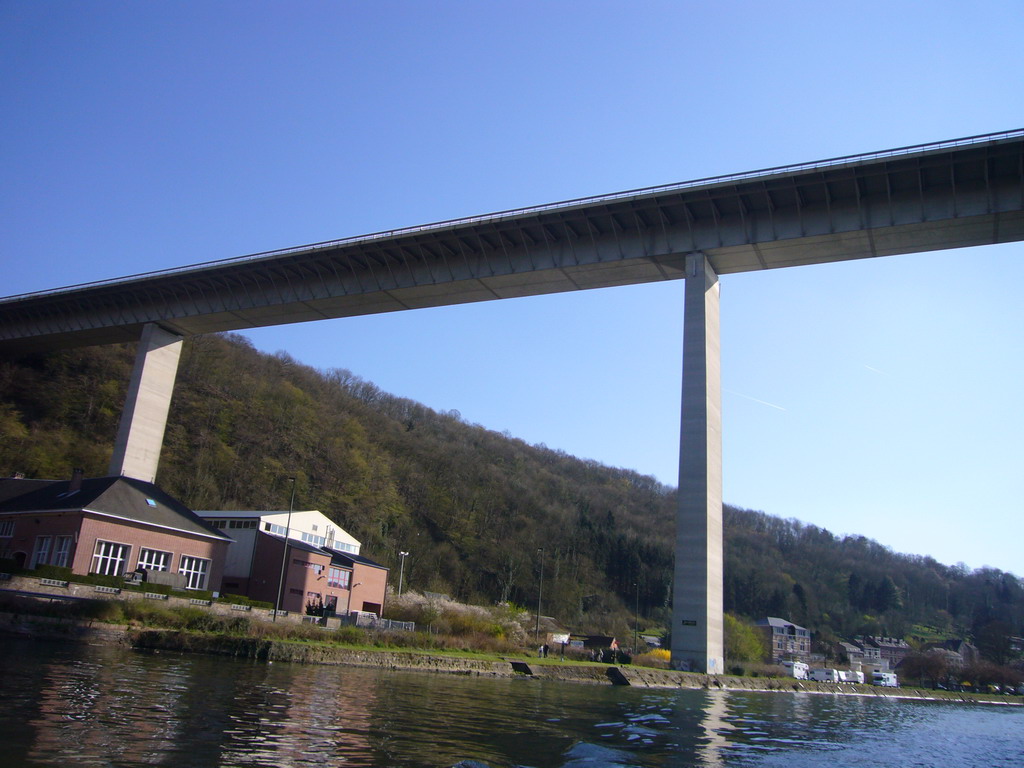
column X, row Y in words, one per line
column 954, row 660
column 321, row 572
column 871, row 653
column 110, row 526
column 968, row 653
column 786, row 641
column 594, row 642
column 891, row 650
column 854, row 654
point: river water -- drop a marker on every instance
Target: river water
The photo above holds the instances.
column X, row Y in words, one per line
column 79, row 705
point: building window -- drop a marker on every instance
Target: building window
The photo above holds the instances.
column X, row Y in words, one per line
column 41, row 553
column 311, row 538
column 109, row 558
column 316, row 567
column 6, row 528
column 154, row 560
column 62, row 552
column 195, row 570
column 336, row 577
column 243, row 523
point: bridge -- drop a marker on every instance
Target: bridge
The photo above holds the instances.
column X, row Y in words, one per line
column 951, row 194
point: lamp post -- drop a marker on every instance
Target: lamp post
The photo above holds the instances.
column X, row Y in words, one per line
column 636, row 617
column 540, row 593
column 401, row 571
column 284, row 554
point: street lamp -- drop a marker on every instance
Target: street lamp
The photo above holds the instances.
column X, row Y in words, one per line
column 401, row 571
column 284, row 554
column 540, row 592
column 636, row 617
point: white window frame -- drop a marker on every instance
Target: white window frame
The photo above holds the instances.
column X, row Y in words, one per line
column 150, row 563
column 62, row 551
column 195, row 569
column 41, row 551
column 6, row 529
column 110, row 553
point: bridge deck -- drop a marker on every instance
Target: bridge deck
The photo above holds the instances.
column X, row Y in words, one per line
column 953, row 194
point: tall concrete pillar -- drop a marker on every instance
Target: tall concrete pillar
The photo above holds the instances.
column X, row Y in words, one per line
column 140, row 434
column 697, row 624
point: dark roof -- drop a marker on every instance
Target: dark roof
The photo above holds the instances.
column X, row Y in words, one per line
column 15, row 486
column 119, row 497
column 348, row 559
column 298, row 544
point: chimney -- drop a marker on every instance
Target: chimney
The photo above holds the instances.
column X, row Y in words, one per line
column 76, row 480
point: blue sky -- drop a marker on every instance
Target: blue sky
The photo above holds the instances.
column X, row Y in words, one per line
column 879, row 397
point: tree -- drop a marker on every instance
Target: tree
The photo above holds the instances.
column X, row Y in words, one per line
column 932, row 666
column 742, row 641
column 994, row 642
column 887, row 595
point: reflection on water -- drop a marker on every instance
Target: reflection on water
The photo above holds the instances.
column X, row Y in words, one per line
column 82, row 705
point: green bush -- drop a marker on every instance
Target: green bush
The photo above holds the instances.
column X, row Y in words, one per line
column 53, row 572
column 243, row 600
column 97, row 579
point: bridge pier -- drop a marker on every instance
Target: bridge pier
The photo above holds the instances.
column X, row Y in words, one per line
column 140, row 433
column 697, row 624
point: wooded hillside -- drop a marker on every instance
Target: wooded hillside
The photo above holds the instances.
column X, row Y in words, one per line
column 472, row 506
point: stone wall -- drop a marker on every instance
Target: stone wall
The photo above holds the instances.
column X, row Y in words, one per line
column 61, row 590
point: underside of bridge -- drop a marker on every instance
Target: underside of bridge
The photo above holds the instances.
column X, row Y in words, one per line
column 964, row 192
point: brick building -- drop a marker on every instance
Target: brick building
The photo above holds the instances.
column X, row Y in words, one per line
column 110, row 526
column 323, row 570
column 786, row 641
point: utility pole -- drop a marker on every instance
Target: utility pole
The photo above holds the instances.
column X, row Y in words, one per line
column 401, row 571
column 284, row 554
column 540, row 593
column 636, row 617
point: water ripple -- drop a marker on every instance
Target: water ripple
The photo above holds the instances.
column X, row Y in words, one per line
column 112, row 707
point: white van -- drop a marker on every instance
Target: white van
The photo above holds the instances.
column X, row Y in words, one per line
column 796, row 669
column 849, row 676
column 826, row 675
column 885, row 679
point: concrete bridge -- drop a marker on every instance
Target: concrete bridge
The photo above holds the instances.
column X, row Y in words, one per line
column 952, row 194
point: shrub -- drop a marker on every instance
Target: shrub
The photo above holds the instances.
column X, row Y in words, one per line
column 53, row 572
column 243, row 600
column 658, row 658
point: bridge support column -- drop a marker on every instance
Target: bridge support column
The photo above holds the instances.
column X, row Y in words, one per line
column 697, row 623
column 140, row 434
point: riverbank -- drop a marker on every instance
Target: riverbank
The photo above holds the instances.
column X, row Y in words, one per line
column 272, row 650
